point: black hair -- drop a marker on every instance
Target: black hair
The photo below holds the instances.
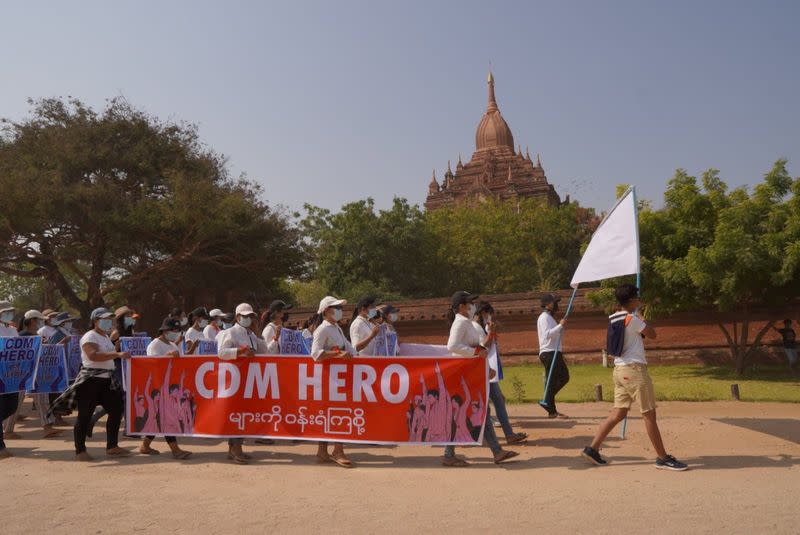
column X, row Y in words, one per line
column 484, row 306
column 121, row 328
column 365, row 302
column 155, row 392
column 313, row 321
column 625, row 293
column 173, row 388
column 433, row 392
column 457, row 399
column 450, row 315
column 176, row 312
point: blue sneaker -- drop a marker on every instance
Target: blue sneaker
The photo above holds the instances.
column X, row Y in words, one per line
column 593, row 456
column 671, row 463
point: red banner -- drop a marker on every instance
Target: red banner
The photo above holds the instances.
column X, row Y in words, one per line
column 376, row 400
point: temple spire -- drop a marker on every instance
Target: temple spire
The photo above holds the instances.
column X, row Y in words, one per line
column 527, row 154
column 538, row 160
column 492, row 105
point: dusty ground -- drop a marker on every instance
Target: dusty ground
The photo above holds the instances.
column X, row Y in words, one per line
column 745, row 478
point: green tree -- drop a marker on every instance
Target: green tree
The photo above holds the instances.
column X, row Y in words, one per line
column 118, row 202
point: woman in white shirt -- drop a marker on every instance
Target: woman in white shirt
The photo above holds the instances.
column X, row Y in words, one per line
column 276, row 317
column 330, row 343
column 194, row 334
column 465, row 341
column 214, row 327
column 362, row 331
column 158, row 400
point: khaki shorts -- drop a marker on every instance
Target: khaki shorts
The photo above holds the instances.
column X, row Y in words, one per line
column 632, row 383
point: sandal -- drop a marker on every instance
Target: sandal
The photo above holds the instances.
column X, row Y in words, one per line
column 148, row 451
column 83, row 457
column 326, row 459
column 517, row 438
column 50, row 433
column 454, row 462
column 181, row 455
column 342, row 461
column 504, row 456
column 118, row 452
column 237, row 459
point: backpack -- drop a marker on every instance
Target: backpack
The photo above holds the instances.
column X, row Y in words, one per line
column 615, row 338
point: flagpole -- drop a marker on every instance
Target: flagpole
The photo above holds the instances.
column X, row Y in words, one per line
column 624, row 427
column 558, row 348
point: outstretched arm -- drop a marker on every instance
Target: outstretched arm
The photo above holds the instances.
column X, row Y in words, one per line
column 165, row 384
column 467, row 396
column 442, row 387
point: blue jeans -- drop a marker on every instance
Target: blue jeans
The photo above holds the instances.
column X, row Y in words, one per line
column 499, row 402
column 8, row 406
column 791, row 354
column 488, row 435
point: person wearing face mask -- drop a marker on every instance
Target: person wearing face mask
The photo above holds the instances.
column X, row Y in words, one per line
column 95, row 385
column 550, row 354
column 330, row 343
column 362, row 330
column 194, row 334
column 465, row 341
column 214, row 326
column 487, row 329
column 389, row 315
column 277, row 316
column 240, row 342
column 47, row 329
column 8, row 402
column 163, row 345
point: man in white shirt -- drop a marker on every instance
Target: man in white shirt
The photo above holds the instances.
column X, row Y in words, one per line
column 362, row 331
column 632, row 382
column 550, row 332
column 240, row 342
column 9, row 403
column 277, row 316
column 215, row 325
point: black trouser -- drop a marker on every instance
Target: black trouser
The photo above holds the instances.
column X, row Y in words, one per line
column 169, row 440
column 93, row 392
column 558, row 381
column 8, row 406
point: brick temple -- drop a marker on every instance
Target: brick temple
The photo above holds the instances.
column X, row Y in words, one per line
column 495, row 169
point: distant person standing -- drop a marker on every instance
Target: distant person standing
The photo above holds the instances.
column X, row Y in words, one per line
column 550, row 354
column 8, row 402
column 362, row 330
column 789, row 342
column 276, row 317
column 215, row 325
column 196, row 333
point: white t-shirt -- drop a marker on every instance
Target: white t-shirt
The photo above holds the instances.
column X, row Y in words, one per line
column 104, row 345
column 211, row 331
column 548, row 329
column 463, row 337
column 193, row 335
column 230, row 340
column 273, row 346
column 327, row 336
column 6, row 331
column 633, row 346
column 46, row 332
column 159, row 348
column 360, row 330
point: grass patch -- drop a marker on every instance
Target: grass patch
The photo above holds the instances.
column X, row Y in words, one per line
column 690, row 382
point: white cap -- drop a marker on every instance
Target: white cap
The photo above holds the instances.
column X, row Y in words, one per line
column 5, row 306
column 330, row 301
column 34, row 314
column 215, row 313
column 244, row 309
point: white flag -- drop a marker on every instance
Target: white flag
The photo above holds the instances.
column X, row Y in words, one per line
column 614, row 248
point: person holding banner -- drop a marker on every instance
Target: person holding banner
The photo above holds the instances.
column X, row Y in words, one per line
column 47, row 329
column 465, row 341
column 240, row 342
column 10, row 401
column 32, row 325
column 330, row 343
column 626, row 332
column 486, row 327
column 550, row 353
column 163, row 346
column 276, row 316
column 214, row 327
column 362, row 331
column 194, row 334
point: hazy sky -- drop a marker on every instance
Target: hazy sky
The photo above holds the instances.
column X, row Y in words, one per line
column 327, row 102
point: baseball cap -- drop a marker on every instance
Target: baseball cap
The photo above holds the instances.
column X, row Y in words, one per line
column 121, row 311
column 49, row 312
column 244, row 309
column 462, row 297
column 330, row 301
column 216, row 313
column 278, row 305
column 34, row 314
column 388, row 309
column 100, row 313
column 170, row 324
column 62, row 317
column 549, row 298
column 5, row 306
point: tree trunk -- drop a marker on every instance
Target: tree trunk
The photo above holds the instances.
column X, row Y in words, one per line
column 741, row 352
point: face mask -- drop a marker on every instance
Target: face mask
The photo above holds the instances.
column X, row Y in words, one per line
column 371, row 313
column 472, row 309
column 129, row 321
column 245, row 321
column 67, row 326
column 105, row 325
column 184, row 322
column 226, row 325
column 337, row 314
column 219, row 323
column 203, row 324
column 7, row 317
column 393, row 317
column 173, row 336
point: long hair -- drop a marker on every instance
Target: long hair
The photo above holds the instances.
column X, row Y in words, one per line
column 450, row 316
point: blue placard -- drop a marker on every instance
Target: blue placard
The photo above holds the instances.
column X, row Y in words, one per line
column 18, row 358
column 73, row 357
column 135, row 345
column 206, row 347
column 292, row 343
column 51, row 373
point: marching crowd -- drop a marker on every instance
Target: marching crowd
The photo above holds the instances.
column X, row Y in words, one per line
column 97, row 392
